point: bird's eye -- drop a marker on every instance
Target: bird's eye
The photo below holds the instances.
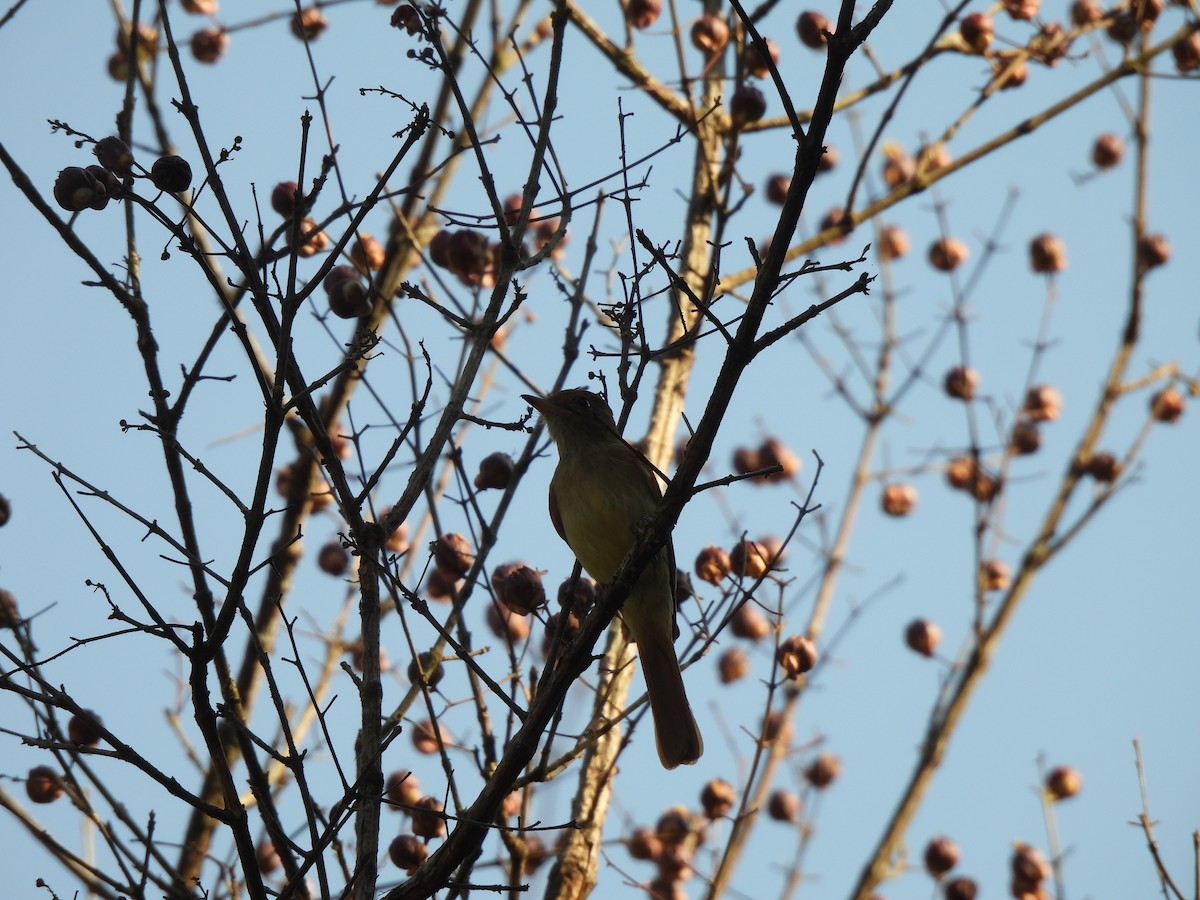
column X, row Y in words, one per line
column 585, row 403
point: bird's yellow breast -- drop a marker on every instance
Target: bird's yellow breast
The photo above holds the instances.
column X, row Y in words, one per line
column 598, row 520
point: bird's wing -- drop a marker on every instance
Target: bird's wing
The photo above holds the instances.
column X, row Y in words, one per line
column 555, row 518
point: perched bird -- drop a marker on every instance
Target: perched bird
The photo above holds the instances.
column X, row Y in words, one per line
column 601, row 489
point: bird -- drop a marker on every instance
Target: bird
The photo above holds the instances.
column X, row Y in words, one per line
column 602, row 488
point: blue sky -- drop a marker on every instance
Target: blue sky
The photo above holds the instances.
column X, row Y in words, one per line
column 1101, row 651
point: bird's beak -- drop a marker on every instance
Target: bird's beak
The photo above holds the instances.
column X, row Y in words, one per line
column 541, row 404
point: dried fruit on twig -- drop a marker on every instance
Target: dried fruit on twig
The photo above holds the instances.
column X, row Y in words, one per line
column 118, row 67
column 427, row 738
column 1153, row 250
column 748, row 104
column 1047, row 254
column 673, row 826
column 402, row 788
column 1063, row 782
column 774, row 727
column 1029, row 869
column 995, row 575
column 641, row 14
column 748, row 560
column 77, row 189
column 931, row 157
column 1123, row 27
column 774, row 452
column 84, row 728
column 309, row 23
column 1107, row 151
column 428, row 821
column 1025, row 438
column 712, row 565
column 773, row 551
column 823, row 770
column 43, row 785
column 717, row 798
column 519, row 587
column 784, row 806
column 835, row 219
column 503, row 622
column 753, row 60
column 923, row 636
column 544, row 231
column 941, row 855
column 666, row 888
column 578, row 594
column 1085, row 12
column 147, row 40
column 797, row 654
column 1021, row 10
column 1146, row 13
column 113, row 189
column 284, row 198
column 407, row 852
column 983, row 486
column 961, row 383
column 511, row 205
column 1187, row 53
column 452, row 554
column 561, row 629
column 439, row 585
column 977, row 31
column 470, row 257
column 114, row 154
column 710, row 34
column 406, row 18
column 1051, row 44
column 423, row 670
column 495, row 471
column 777, row 188
column 358, row 656
column 733, row 665
column 1167, row 406
column 899, row 499
column 947, row 254
column 209, row 45
column 348, row 298
column 511, row 807
column 318, row 493
column 536, row 852
column 1043, row 403
column 644, row 844
column 812, row 28
column 367, row 254
column 397, row 541
column 893, row 243
column 1104, row 467
column 748, row 623
column 675, row 867
column 333, row 558
column 898, row 167
column 171, row 174
column 1010, row 69
column 267, row 857
column 312, row 239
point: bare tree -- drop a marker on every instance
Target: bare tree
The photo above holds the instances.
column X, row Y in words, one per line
column 371, row 318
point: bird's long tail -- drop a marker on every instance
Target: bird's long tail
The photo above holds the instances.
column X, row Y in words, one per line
column 675, row 728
